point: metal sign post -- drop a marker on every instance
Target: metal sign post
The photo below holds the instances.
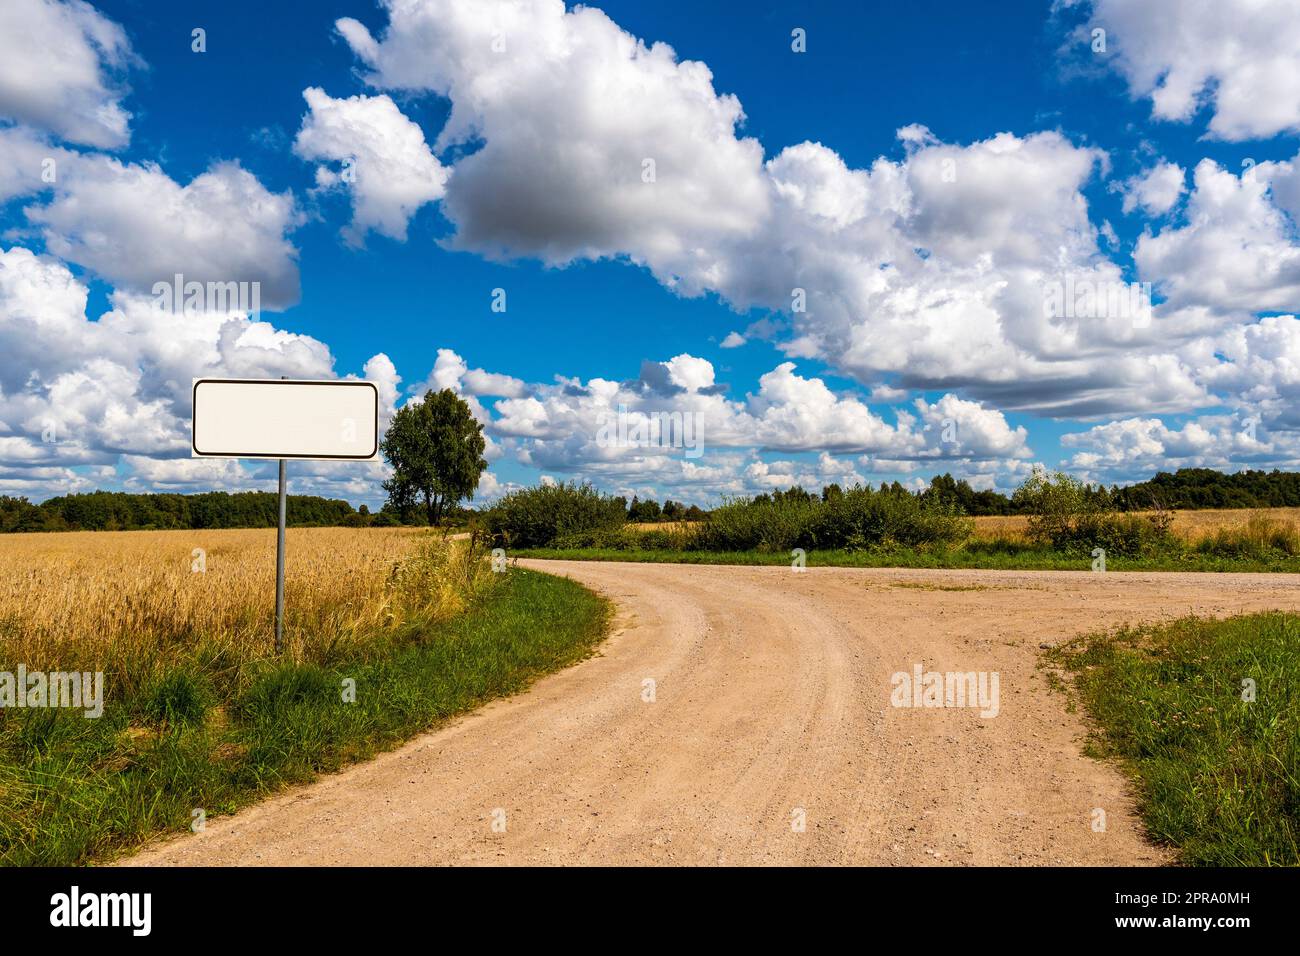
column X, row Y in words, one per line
column 281, row 419
column 279, row 572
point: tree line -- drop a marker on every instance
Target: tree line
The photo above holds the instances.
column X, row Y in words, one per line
column 124, row 511
column 1187, row 489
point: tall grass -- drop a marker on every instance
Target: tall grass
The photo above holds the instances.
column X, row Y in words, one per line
column 1260, row 537
column 1206, row 715
column 197, row 711
column 1190, row 527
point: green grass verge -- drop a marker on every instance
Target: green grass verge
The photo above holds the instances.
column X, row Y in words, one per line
column 1024, row 559
column 74, row 790
column 1218, row 776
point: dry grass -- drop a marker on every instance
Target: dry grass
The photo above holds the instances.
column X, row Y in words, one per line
column 197, row 710
column 661, row 525
column 1191, row 526
column 75, row 599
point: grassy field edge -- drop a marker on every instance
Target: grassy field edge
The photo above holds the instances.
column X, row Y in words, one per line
column 1203, row 716
column 936, row 560
column 74, row 791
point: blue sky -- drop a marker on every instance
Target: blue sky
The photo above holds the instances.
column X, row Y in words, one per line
column 1083, row 134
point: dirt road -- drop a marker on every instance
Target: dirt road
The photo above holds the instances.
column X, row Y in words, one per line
column 767, row 735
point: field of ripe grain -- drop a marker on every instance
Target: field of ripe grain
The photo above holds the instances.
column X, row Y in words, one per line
column 70, row 599
column 387, row 632
column 1191, row 526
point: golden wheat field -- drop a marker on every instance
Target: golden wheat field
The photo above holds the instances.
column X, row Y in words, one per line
column 66, row 597
column 1188, row 525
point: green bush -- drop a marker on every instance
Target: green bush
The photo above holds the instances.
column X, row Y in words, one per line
column 663, row 539
column 535, row 517
column 861, row 518
column 610, row 539
column 762, row 524
column 1136, row 536
column 857, row 519
column 622, row 539
column 1072, row 518
column 1119, row 535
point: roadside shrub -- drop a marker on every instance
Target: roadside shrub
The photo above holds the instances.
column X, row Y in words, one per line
column 605, row 539
column 856, row 519
column 1123, row 535
column 1058, row 505
column 861, row 518
column 1119, row 535
column 622, row 539
column 1000, row 544
column 535, row 517
column 761, row 524
column 1068, row 516
column 665, row 539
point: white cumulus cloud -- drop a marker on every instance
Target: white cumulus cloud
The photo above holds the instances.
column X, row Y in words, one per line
column 1238, row 57
column 61, row 68
column 384, row 160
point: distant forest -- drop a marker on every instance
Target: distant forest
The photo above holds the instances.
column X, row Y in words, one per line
column 120, row 511
column 1187, row 489
column 1184, row 490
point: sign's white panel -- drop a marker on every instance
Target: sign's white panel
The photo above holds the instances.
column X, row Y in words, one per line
column 279, row 418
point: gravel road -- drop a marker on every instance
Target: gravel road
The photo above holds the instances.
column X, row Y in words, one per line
column 767, row 735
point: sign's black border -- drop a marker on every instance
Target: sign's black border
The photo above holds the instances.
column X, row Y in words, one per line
column 194, row 402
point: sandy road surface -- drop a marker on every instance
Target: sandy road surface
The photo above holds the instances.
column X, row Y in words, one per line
column 771, row 697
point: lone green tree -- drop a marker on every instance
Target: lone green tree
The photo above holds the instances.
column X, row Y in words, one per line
column 436, row 450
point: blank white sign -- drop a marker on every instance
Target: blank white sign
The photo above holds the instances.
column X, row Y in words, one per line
column 279, row 418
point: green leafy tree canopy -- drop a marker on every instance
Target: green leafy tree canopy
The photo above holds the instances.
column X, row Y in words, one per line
column 436, row 450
